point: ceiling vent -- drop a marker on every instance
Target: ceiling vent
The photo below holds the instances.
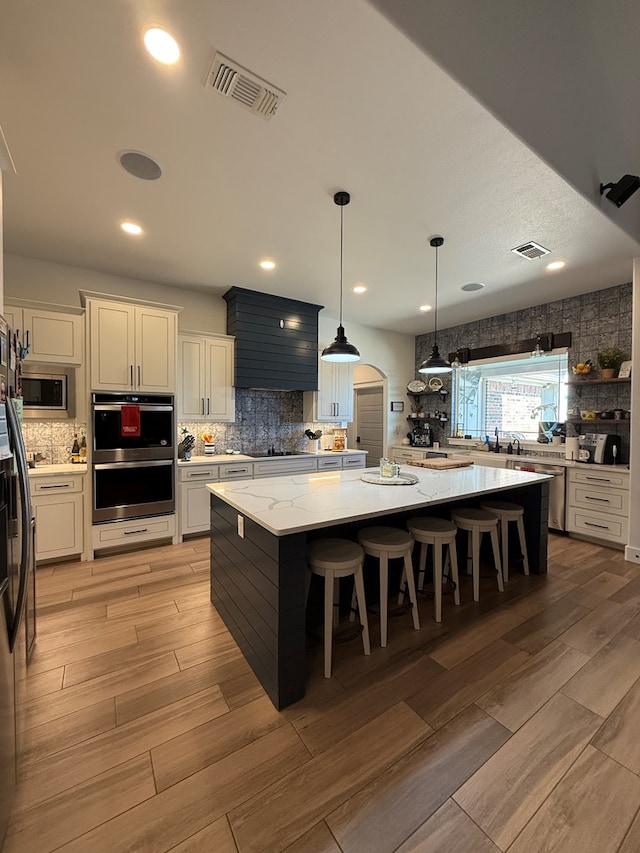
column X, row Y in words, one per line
column 245, row 88
column 531, row 251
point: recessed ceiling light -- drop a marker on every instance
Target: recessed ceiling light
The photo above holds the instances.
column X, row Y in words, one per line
column 360, row 288
column 425, row 307
column 473, row 285
column 556, row 265
column 162, row 46
column 131, row 228
column 267, row 264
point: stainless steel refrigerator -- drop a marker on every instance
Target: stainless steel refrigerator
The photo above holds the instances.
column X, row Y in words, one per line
column 17, row 570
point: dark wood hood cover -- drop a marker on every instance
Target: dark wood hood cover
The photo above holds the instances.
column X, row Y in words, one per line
column 276, row 340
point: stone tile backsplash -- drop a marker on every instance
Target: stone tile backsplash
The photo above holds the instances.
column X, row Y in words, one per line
column 263, row 419
column 596, row 320
column 52, row 439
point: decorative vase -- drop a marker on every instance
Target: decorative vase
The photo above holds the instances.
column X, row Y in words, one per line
column 609, row 372
column 209, row 449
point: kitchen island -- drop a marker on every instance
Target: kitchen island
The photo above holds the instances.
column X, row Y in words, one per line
column 259, row 535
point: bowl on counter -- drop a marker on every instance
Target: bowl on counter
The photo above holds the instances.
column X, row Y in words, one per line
column 587, row 415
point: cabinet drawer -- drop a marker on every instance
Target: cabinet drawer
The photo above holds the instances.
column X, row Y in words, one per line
column 599, row 525
column 355, row 461
column 408, row 455
column 282, row 468
column 614, row 501
column 329, row 463
column 55, row 485
column 136, row 530
column 239, row 471
column 595, row 478
column 206, row 473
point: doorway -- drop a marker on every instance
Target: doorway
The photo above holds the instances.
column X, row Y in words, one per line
column 369, row 416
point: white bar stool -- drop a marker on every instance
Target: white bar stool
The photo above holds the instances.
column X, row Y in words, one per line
column 476, row 522
column 437, row 532
column 389, row 543
column 333, row 559
column 506, row 512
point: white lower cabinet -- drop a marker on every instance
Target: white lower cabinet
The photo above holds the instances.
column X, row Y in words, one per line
column 598, row 504
column 58, row 510
column 408, row 454
column 193, row 509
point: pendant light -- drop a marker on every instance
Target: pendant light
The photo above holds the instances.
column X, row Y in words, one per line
column 340, row 349
column 435, row 363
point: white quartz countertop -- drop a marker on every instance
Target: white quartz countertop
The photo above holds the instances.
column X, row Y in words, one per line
column 291, row 504
column 219, row 458
column 63, row 468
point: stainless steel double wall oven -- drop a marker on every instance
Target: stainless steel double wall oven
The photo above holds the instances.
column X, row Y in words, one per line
column 133, row 468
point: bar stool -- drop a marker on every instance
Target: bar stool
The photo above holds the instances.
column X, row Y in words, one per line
column 437, row 532
column 389, row 543
column 506, row 512
column 333, row 559
column 476, row 522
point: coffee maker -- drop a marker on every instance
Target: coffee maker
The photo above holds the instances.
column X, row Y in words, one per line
column 420, row 436
column 601, row 447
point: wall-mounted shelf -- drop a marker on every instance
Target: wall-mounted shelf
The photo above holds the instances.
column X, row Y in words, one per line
column 429, row 393
column 582, row 383
column 442, row 418
column 616, row 421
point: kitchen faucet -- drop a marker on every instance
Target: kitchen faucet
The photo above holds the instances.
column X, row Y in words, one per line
column 518, row 450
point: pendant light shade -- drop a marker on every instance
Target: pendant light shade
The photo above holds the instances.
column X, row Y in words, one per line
column 340, row 349
column 435, row 363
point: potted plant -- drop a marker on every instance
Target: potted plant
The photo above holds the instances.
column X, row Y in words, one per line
column 610, row 360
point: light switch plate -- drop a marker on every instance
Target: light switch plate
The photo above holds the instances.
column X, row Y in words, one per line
column 241, row 526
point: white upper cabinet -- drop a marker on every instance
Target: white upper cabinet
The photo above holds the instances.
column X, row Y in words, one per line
column 205, row 369
column 53, row 337
column 333, row 401
column 133, row 347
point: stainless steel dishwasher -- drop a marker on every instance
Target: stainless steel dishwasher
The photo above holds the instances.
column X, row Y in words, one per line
column 556, row 487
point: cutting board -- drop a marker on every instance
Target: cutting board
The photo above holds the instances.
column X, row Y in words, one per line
column 441, row 463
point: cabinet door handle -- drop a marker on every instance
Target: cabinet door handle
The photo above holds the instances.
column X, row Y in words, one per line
column 602, row 500
column 131, row 532
column 56, row 486
column 131, row 374
column 203, row 405
column 208, row 406
column 599, row 479
column 138, row 376
column 600, row 526
column 201, row 474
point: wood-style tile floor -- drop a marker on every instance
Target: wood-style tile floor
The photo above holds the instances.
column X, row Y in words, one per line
column 511, row 726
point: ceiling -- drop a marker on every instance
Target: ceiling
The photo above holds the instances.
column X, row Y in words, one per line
column 365, row 111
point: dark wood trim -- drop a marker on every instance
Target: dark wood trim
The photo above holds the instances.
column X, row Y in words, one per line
column 548, row 342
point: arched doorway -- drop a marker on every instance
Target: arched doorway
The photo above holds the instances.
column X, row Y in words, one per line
column 369, row 427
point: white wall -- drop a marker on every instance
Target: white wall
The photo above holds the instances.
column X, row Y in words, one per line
column 392, row 354
column 562, row 75
column 43, row 281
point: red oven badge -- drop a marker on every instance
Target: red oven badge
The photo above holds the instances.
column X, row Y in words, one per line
column 130, row 422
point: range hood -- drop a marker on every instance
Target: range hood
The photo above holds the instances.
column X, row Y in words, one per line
column 276, row 340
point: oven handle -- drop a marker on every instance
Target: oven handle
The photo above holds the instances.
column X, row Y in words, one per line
column 116, row 407
column 113, row 466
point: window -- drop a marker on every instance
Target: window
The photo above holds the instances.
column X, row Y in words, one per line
column 514, row 394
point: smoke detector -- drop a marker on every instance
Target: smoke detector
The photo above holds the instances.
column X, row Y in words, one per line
column 531, row 251
column 244, row 87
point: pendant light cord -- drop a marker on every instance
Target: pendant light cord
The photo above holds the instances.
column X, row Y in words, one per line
column 435, row 313
column 341, row 255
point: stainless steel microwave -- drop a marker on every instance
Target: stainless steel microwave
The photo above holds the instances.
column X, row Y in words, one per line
column 48, row 392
